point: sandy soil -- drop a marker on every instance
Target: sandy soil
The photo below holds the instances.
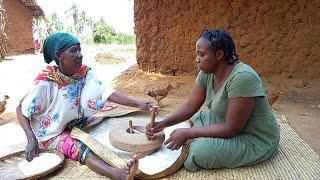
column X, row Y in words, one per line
column 299, row 101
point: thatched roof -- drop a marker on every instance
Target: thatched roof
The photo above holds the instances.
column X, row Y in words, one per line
column 34, row 8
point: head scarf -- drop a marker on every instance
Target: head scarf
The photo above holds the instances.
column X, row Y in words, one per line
column 59, row 41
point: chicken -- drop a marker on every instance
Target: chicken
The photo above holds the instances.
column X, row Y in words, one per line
column 159, row 94
column 273, row 97
column 3, row 104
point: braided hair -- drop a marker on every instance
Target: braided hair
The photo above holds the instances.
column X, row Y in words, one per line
column 221, row 40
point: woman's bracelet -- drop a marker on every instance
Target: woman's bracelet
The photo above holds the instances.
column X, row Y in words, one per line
column 32, row 139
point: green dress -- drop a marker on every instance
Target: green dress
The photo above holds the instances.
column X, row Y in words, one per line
column 259, row 139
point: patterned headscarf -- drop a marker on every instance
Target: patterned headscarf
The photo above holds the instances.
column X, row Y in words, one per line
column 59, row 41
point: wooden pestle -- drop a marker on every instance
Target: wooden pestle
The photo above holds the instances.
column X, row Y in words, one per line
column 153, row 116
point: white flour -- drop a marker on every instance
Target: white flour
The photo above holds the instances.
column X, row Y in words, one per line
column 163, row 158
column 44, row 162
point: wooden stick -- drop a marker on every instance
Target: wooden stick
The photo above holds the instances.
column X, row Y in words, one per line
column 153, row 115
column 130, row 127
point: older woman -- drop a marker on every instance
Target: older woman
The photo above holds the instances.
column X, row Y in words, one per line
column 68, row 95
column 238, row 128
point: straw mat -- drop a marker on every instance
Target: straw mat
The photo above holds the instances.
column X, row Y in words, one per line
column 295, row 160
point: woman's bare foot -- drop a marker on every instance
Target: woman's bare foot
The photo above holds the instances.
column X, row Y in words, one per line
column 132, row 167
column 129, row 171
column 96, row 164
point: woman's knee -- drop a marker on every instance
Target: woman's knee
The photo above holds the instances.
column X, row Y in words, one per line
column 202, row 155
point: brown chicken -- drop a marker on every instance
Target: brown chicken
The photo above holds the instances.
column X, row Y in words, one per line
column 159, row 94
column 3, row 104
column 273, row 96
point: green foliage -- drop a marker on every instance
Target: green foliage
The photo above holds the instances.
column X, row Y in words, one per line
column 105, row 34
column 55, row 23
column 124, row 39
column 80, row 20
column 87, row 40
column 48, row 24
column 84, row 29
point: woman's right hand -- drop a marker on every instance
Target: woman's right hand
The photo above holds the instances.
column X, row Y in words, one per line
column 32, row 149
column 158, row 127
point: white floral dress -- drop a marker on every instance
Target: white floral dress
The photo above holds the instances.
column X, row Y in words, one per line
column 51, row 106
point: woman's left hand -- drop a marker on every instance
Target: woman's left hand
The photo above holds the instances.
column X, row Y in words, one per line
column 146, row 106
column 177, row 138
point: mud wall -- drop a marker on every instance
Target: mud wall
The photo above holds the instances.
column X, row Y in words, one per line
column 18, row 27
column 278, row 37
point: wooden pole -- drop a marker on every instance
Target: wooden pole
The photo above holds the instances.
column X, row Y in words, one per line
column 130, row 127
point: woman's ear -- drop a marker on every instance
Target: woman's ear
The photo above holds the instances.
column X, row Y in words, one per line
column 220, row 54
column 58, row 55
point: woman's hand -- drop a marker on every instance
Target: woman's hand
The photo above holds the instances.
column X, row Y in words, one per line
column 122, row 99
column 32, row 150
column 177, row 138
column 156, row 129
column 146, row 106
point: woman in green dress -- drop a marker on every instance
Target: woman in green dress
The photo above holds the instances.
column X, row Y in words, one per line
column 238, row 128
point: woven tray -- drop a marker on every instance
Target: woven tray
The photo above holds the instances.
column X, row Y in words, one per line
column 9, row 165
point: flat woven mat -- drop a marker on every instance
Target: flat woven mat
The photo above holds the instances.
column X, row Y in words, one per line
column 295, row 160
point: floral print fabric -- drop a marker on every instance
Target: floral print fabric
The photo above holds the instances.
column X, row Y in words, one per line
column 52, row 73
column 51, row 106
column 70, row 147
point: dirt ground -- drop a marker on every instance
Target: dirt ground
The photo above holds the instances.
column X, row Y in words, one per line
column 299, row 101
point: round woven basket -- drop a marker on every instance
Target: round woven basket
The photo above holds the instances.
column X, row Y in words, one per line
column 9, row 165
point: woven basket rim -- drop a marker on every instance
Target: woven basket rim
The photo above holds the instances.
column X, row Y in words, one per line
column 44, row 173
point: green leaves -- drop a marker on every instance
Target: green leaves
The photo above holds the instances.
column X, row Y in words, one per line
column 105, row 34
